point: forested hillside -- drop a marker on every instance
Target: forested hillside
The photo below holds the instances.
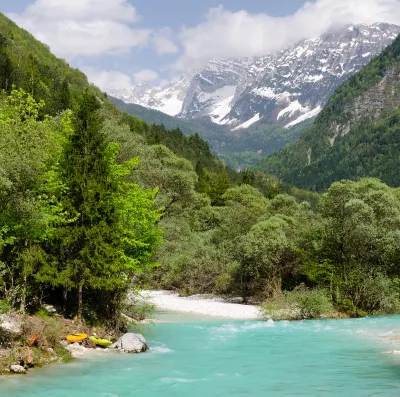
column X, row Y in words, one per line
column 356, row 135
column 239, row 150
column 93, row 199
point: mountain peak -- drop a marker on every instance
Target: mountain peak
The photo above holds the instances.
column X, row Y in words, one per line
column 285, row 87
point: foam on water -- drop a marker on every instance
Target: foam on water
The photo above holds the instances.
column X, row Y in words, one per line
column 160, row 349
column 354, row 358
column 182, row 380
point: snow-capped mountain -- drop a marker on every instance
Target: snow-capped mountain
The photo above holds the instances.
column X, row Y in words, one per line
column 286, row 87
column 167, row 99
column 293, row 85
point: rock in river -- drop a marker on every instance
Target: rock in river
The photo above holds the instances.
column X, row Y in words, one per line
column 132, row 343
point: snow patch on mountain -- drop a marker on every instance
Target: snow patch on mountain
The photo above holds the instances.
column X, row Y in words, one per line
column 308, row 115
column 293, row 108
column 248, row 123
column 265, row 92
column 218, row 102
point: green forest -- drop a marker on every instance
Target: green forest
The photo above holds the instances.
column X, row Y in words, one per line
column 93, row 199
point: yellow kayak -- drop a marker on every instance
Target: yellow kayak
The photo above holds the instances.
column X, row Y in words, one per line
column 100, row 342
column 76, row 338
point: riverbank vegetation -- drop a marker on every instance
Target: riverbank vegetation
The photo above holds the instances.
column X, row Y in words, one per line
column 258, row 248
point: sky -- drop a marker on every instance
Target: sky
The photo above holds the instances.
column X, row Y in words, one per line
column 123, row 42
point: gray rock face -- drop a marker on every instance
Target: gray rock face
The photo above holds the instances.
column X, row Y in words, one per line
column 17, row 369
column 131, row 343
column 380, row 99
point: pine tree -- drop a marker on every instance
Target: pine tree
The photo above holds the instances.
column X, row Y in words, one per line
column 65, row 96
column 113, row 233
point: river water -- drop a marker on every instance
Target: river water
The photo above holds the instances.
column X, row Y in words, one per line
column 202, row 357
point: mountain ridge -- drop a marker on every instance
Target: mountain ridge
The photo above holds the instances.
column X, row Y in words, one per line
column 283, row 88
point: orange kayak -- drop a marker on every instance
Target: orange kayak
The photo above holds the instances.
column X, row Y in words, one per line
column 76, row 338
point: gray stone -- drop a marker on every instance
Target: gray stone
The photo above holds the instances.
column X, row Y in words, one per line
column 50, row 309
column 11, row 322
column 76, row 349
column 132, row 343
column 18, row 369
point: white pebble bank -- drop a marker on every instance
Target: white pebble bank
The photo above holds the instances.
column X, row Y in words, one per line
column 170, row 301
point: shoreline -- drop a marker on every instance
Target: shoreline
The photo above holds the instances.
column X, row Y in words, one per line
column 203, row 305
column 167, row 303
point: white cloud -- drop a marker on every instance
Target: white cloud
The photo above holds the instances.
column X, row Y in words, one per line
column 163, row 43
column 145, row 75
column 226, row 34
column 83, row 27
column 108, row 79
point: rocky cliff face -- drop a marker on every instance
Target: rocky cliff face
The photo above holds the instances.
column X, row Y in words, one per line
column 375, row 103
column 283, row 88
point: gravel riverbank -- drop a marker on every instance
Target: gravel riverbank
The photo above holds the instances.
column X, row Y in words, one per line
column 202, row 304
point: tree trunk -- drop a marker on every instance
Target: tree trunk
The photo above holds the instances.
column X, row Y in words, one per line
column 65, row 298
column 23, row 296
column 80, row 303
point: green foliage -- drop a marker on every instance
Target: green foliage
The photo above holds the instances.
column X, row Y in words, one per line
column 28, row 64
column 112, row 236
column 299, row 304
column 64, row 354
column 4, row 306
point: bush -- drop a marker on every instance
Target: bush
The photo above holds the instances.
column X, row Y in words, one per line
column 5, row 306
column 311, row 303
column 6, row 338
column 371, row 292
column 302, row 303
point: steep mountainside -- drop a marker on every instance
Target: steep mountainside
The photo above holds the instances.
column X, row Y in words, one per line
column 357, row 134
column 283, row 88
column 27, row 63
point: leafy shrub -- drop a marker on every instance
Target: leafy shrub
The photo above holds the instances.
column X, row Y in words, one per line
column 371, row 292
column 137, row 307
column 5, row 307
column 64, row 354
column 299, row 304
column 312, row 303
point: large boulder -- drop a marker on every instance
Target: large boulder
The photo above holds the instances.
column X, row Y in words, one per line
column 132, row 343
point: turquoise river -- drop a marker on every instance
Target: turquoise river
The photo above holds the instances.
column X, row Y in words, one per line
column 203, row 357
